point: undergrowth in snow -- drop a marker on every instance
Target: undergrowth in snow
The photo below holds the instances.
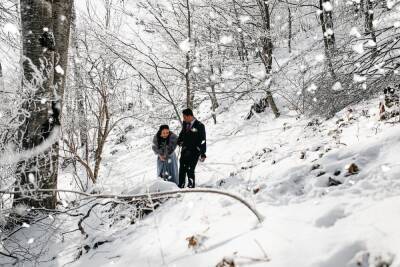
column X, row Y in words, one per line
column 328, row 189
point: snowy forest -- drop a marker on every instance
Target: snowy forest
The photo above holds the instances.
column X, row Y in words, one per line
column 224, row 133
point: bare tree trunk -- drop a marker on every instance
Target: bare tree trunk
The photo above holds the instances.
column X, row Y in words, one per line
column 62, row 17
column 45, row 32
column 102, row 134
column 290, row 30
column 189, row 93
column 1, row 79
column 212, row 94
column 267, row 49
column 243, row 54
column 80, row 97
column 326, row 20
column 61, row 10
column 214, row 104
column 38, row 51
column 369, row 26
column 213, row 98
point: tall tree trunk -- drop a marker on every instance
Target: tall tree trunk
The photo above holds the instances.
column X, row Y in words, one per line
column 214, row 103
column 189, row 93
column 80, row 97
column 43, row 33
column 102, row 134
column 62, row 17
column 38, row 51
column 243, row 54
column 212, row 94
column 1, row 79
column 289, row 30
column 326, row 19
column 369, row 26
column 267, row 49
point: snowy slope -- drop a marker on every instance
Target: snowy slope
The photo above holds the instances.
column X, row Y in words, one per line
column 307, row 223
column 282, row 167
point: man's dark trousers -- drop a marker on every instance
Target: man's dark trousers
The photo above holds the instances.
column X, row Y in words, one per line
column 188, row 162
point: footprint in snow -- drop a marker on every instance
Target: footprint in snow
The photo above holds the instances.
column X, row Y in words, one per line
column 330, row 218
column 343, row 256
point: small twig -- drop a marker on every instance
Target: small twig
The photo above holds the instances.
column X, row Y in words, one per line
column 88, row 214
column 261, row 248
column 9, row 256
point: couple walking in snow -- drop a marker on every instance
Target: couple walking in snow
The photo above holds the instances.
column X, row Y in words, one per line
column 192, row 140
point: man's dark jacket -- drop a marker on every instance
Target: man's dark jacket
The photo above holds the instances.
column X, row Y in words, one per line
column 193, row 139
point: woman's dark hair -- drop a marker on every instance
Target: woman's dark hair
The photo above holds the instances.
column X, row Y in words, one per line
column 162, row 127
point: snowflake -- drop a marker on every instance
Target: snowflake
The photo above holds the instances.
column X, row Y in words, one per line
column 327, row 6
column 337, row 86
column 226, row 39
column 31, row 178
column 196, row 69
column 244, row 19
column 59, row 70
column 359, row 79
column 328, row 32
column 370, row 43
column 354, row 32
column 319, row 57
column 312, row 88
column 185, row 45
column 359, row 48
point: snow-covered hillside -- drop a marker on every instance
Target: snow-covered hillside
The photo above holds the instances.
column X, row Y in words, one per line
column 328, row 189
column 319, row 210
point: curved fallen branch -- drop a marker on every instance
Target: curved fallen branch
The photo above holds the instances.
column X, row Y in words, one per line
column 148, row 195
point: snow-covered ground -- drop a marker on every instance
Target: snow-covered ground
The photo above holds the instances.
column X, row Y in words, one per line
column 282, row 167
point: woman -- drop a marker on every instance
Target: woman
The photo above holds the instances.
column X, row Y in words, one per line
column 164, row 145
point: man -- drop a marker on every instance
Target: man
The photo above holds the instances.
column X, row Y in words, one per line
column 192, row 139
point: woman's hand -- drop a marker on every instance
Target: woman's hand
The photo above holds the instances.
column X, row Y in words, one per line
column 162, row 157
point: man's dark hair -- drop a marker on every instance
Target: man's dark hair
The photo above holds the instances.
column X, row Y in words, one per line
column 187, row 112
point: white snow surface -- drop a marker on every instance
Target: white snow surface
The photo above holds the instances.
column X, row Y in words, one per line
column 307, row 223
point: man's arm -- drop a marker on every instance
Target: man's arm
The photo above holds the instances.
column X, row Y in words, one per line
column 203, row 141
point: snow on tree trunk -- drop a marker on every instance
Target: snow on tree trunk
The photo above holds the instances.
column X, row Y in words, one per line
column 326, row 20
column 267, row 49
column 42, row 37
column 189, row 93
column 1, row 79
column 38, row 125
column 62, row 23
column 289, row 30
column 80, row 98
column 241, row 46
column 369, row 26
column 212, row 94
